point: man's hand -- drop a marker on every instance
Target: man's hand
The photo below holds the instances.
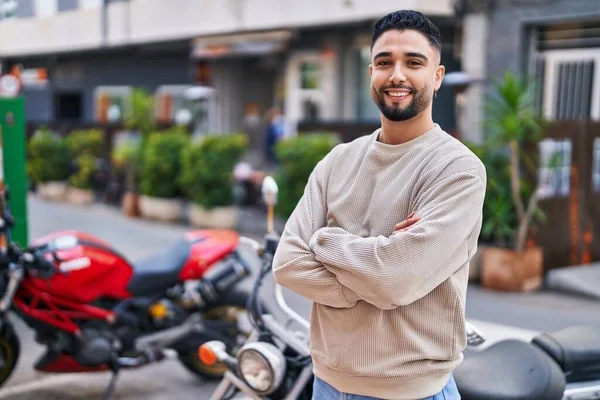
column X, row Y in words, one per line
column 407, row 223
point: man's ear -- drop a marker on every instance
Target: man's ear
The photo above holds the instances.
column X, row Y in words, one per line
column 370, row 70
column 439, row 76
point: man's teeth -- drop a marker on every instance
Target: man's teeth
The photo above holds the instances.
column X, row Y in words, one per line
column 398, row 94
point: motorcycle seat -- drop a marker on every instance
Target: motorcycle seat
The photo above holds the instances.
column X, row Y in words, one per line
column 575, row 349
column 509, row 370
column 159, row 271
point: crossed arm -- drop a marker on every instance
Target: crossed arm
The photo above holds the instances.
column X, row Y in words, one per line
column 295, row 265
column 333, row 267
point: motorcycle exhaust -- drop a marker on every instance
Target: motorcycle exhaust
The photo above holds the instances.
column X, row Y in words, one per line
column 170, row 336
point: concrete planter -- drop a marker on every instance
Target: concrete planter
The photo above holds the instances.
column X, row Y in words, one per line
column 53, row 190
column 80, row 196
column 216, row 218
column 169, row 210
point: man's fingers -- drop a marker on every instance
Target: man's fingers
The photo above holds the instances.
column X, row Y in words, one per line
column 406, row 223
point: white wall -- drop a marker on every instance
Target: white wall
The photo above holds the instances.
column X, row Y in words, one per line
column 139, row 21
column 65, row 31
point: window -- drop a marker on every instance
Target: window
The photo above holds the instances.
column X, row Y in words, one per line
column 596, row 166
column 46, row 8
column 170, row 104
column 366, row 110
column 555, row 168
column 111, row 103
column 8, row 9
column 310, row 73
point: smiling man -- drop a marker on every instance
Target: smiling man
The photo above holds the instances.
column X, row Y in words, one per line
column 382, row 239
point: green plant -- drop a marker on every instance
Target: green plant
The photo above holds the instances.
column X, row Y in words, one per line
column 139, row 116
column 207, row 168
column 48, row 158
column 298, row 156
column 514, row 124
column 126, row 159
column 86, row 169
column 161, row 163
column 86, row 141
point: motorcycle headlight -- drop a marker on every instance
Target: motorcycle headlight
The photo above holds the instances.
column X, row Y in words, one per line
column 262, row 366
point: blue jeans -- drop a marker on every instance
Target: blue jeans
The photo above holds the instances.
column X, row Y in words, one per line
column 324, row 391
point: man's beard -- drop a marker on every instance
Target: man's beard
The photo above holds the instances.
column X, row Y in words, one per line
column 419, row 102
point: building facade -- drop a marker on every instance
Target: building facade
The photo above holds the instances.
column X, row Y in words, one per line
column 81, row 58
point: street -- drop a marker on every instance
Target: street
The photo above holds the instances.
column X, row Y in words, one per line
column 499, row 315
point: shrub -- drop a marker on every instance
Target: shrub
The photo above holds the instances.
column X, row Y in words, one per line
column 49, row 157
column 298, row 156
column 207, row 169
column 86, row 169
column 86, row 141
column 161, row 163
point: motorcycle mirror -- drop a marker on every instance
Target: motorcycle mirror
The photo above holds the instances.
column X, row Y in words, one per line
column 270, row 191
column 474, row 336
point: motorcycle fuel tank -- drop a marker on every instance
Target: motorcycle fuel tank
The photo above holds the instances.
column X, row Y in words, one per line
column 89, row 268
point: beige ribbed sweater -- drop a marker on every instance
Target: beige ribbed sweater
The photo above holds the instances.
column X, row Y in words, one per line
column 388, row 316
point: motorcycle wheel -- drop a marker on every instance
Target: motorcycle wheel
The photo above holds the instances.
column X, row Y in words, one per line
column 227, row 309
column 10, row 349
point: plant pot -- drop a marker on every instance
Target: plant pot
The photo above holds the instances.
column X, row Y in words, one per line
column 168, row 210
column 53, row 190
column 130, row 204
column 215, row 218
column 510, row 270
column 80, row 196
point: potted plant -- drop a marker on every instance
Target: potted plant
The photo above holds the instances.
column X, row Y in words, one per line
column 207, row 178
column 139, row 119
column 81, row 183
column 125, row 159
column 86, row 146
column 48, row 164
column 512, row 202
column 159, row 174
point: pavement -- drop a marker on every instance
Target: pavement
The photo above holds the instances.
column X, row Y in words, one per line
column 498, row 315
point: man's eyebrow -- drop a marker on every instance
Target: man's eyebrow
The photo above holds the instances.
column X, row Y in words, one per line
column 416, row 55
column 408, row 54
column 382, row 54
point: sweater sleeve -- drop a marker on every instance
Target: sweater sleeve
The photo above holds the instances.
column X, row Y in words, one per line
column 394, row 271
column 294, row 264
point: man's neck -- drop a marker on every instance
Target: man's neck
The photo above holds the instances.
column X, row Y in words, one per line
column 393, row 132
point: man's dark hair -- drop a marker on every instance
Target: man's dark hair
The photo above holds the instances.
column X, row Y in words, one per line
column 408, row 20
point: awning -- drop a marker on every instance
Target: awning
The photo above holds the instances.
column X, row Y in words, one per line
column 246, row 44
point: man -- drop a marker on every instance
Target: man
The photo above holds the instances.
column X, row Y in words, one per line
column 388, row 317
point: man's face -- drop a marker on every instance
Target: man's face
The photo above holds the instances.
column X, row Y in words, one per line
column 405, row 73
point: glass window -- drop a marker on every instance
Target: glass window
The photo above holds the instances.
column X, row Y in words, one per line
column 310, row 73
column 596, row 166
column 111, row 103
column 554, row 173
column 366, row 110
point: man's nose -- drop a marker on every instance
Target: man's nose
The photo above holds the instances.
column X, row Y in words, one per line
column 397, row 74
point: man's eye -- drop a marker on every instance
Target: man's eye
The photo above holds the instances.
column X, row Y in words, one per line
column 414, row 63
column 383, row 63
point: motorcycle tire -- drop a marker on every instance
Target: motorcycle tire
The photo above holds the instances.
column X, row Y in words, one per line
column 225, row 309
column 10, row 349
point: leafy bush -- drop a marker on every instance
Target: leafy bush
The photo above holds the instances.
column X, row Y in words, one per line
column 298, row 157
column 86, row 169
column 207, row 169
column 48, row 158
column 161, row 163
column 90, row 141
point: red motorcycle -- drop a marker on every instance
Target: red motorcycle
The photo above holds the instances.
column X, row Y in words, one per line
column 96, row 311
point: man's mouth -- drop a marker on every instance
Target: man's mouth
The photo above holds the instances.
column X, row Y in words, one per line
column 396, row 94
